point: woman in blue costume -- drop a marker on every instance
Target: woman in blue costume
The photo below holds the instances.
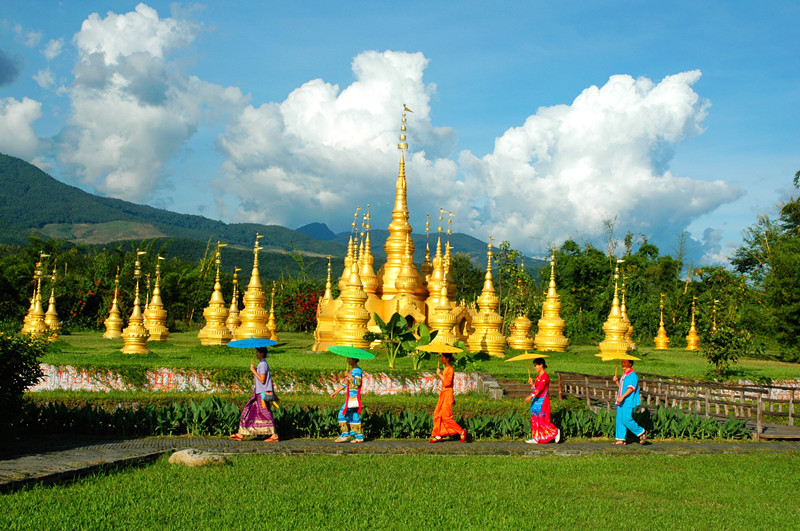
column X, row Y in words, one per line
column 350, row 414
column 627, row 399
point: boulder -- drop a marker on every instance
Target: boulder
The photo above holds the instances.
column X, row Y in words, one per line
column 193, row 457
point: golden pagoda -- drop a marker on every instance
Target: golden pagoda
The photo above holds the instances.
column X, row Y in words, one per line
column 135, row 336
column 233, row 321
column 623, row 309
column 350, row 321
column 443, row 320
column 254, row 316
column 113, row 322
column 615, row 327
column 487, row 323
column 51, row 316
column 427, row 267
column 155, row 314
column 520, row 337
column 550, row 336
column 216, row 332
column 146, row 301
column 34, row 323
column 661, row 340
column 326, row 310
column 273, row 334
column 693, row 339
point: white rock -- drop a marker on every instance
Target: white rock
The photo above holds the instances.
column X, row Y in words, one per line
column 193, row 457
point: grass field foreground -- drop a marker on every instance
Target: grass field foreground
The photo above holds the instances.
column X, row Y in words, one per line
column 426, row 492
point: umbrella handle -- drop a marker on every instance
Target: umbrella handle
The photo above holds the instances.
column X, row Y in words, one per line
column 528, row 362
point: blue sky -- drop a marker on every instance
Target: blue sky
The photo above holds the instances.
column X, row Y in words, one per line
column 533, row 121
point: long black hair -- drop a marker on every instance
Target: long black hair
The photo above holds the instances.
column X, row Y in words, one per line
column 540, row 361
column 448, row 356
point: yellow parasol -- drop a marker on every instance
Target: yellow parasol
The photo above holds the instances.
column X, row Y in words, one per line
column 617, row 356
column 528, row 356
column 439, row 348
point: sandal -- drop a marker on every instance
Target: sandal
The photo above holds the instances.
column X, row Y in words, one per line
column 357, row 441
column 463, row 437
column 235, row 437
column 619, row 443
column 643, row 437
column 274, row 438
column 435, row 440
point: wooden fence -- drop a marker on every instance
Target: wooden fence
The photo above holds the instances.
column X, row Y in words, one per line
column 748, row 402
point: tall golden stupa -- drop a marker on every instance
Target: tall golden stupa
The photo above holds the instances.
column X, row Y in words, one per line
column 550, row 336
column 661, row 340
column 113, row 322
column 487, row 323
column 233, row 321
column 273, row 328
column 397, row 287
column 135, row 336
column 254, row 316
column 34, row 321
column 51, row 315
column 155, row 314
column 215, row 332
column 693, row 339
column 615, row 327
column 520, row 337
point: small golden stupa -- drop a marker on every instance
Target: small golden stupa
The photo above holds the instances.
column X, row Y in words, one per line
column 623, row 309
column 215, row 332
column 326, row 309
column 350, row 321
column 135, row 336
column 520, row 337
column 113, row 322
column 440, row 310
column 34, row 322
column 254, row 316
column 615, row 327
column 550, row 336
column 487, row 323
column 51, row 316
column 661, row 340
column 146, row 301
column 156, row 315
column 233, row 321
column 693, row 339
column 273, row 333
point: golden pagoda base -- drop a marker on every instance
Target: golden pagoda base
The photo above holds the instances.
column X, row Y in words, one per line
column 545, row 343
column 661, row 341
column 135, row 340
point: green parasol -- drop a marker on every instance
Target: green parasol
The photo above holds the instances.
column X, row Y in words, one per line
column 351, row 352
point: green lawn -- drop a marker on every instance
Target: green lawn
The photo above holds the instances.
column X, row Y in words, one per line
column 756, row 491
column 183, row 350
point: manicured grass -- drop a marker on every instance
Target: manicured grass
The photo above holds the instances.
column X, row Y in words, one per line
column 182, row 350
column 426, row 492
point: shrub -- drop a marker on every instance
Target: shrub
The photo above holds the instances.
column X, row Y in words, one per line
column 19, row 369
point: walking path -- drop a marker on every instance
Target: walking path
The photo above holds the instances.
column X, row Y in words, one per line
column 47, row 460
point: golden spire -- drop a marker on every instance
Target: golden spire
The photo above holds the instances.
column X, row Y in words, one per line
column 273, row 328
column 520, row 338
column 135, row 336
column 328, row 287
column 155, row 314
column 369, row 279
column 426, row 269
column 615, row 327
column 113, row 322
column 254, row 315
column 661, row 340
column 233, row 321
column 693, row 339
column 550, row 336
column 35, row 320
column 216, row 331
column 51, row 316
column 624, row 310
column 487, row 336
column 350, row 320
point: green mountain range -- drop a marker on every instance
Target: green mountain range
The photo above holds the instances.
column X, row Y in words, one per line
column 33, row 202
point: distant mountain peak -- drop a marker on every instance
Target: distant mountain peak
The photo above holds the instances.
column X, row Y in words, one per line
column 318, row 231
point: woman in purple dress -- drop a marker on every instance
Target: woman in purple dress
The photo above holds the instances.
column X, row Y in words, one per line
column 257, row 417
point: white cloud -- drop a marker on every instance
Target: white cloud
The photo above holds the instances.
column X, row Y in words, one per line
column 44, row 78
column 131, row 109
column 53, row 49
column 17, row 136
column 29, row 38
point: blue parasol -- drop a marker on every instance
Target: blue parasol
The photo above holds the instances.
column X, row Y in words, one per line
column 252, row 343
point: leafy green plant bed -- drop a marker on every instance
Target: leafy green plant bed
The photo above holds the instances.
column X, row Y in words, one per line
column 409, row 418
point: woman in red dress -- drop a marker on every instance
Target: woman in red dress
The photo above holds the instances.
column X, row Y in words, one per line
column 443, row 423
column 542, row 430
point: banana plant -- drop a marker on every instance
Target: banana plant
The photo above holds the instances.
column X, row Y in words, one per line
column 397, row 338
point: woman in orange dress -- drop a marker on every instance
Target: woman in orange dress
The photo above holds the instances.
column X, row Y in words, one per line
column 443, row 423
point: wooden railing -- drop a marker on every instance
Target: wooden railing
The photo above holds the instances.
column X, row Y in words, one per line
column 706, row 398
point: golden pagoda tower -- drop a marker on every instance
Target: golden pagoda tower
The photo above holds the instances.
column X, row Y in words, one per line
column 35, row 324
column 155, row 314
column 350, row 320
column 452, row 287
column 146, row 302
column 487, row 336
column 436, row 280
column 113, row 322
column 215, row 332
column 550, row 336
column 629, row 332
column 254, row 316
column 369, row 280
column 326, row 310
column 135, row 336
column 443, row 320
column 615, row 327
column 520, row 337
column 273, row 328
column 661, row 340
column 233, row 321
column 693, row 339
column 427, row 267
column 51, row 316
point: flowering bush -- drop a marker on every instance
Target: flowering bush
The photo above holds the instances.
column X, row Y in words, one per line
column 296, row 304
column 19, row 369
